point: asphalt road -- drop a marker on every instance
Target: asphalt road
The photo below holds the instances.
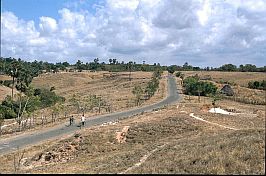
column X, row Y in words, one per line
column 9, row 145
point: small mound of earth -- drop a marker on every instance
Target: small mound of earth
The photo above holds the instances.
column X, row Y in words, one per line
column 59, row 153
column 121, row 136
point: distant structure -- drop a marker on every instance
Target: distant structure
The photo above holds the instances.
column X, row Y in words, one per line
column 227, row 90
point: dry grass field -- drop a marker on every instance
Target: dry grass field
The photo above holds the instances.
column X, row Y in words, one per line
column 239, row 83
column 167, row 140
column 116, row 90
column 4, row 91
column 239, row 78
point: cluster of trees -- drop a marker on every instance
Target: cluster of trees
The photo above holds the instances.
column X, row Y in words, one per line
column 115, row 66
column 32, row 100
column 192, row 86
column 28, row 99
column 185, row 67
column 89, row 103
column 150, row 89
column 257, row 85
column 23, row 106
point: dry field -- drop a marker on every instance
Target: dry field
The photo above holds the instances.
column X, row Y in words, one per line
column 239, row 78
column 116, row 91
column 239, row 83
column 4, row 91
column 168, row 140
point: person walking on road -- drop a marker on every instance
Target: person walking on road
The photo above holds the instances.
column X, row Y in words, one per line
column 83, row 120
column 71, row 120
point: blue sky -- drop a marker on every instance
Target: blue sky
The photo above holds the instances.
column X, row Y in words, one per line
column 200, row 32
column 33, row 9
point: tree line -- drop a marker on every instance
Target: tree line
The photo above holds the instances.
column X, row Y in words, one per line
column 9, row 65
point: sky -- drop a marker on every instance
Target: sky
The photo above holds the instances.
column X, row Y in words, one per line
column 170, row 32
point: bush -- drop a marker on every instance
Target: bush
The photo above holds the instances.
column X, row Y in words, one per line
column 7, row 83
column 178, row 74
column 49, row 98
column 7, row 112
column 257, row 85
column 193, row 86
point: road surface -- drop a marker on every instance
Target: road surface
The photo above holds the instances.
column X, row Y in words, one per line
column 9, row 145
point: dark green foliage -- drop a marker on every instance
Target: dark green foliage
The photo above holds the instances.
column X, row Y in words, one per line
column 37, row 92
column 193, row 86
column 7, row 83
column 152, row 87
column 52, row 88
column 171, row 69
column 247, row 68
column 49, row 98
column 39, row 98
column 257, row 85
column 178, row 74
column 7, row 112
column 153, row 84
column 228, row 67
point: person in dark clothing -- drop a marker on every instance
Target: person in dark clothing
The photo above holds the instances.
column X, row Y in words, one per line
column 71, row 120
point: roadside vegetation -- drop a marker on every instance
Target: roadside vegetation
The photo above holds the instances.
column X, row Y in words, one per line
column 149, row 90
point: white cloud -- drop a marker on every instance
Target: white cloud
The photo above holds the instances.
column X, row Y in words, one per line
column 165, row 31
column 47, row 25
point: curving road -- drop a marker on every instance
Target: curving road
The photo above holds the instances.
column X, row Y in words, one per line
column 9, row 145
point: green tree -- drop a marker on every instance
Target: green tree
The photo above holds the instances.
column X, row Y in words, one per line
column 171, row 69
column 137, row 91
column 193, row 86
column 228, row 67
column 79, row 65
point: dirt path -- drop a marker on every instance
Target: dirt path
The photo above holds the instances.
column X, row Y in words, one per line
column 198, row 118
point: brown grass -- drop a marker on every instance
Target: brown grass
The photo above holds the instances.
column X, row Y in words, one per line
column 239, row 78
column 239, row 83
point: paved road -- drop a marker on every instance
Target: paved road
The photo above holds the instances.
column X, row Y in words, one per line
column 9, row 145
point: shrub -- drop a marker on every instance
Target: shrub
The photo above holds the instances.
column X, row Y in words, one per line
column 193, row 86
column 7, row 112
column 7, row 83
column 49, row 98
column 178, row 74
column 257, row 85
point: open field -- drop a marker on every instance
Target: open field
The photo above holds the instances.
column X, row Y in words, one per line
column 238, row 78
column 116, row 90
column 167, row 140
column 239, row 83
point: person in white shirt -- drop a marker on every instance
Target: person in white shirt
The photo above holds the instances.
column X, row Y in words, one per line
column 83, row 120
